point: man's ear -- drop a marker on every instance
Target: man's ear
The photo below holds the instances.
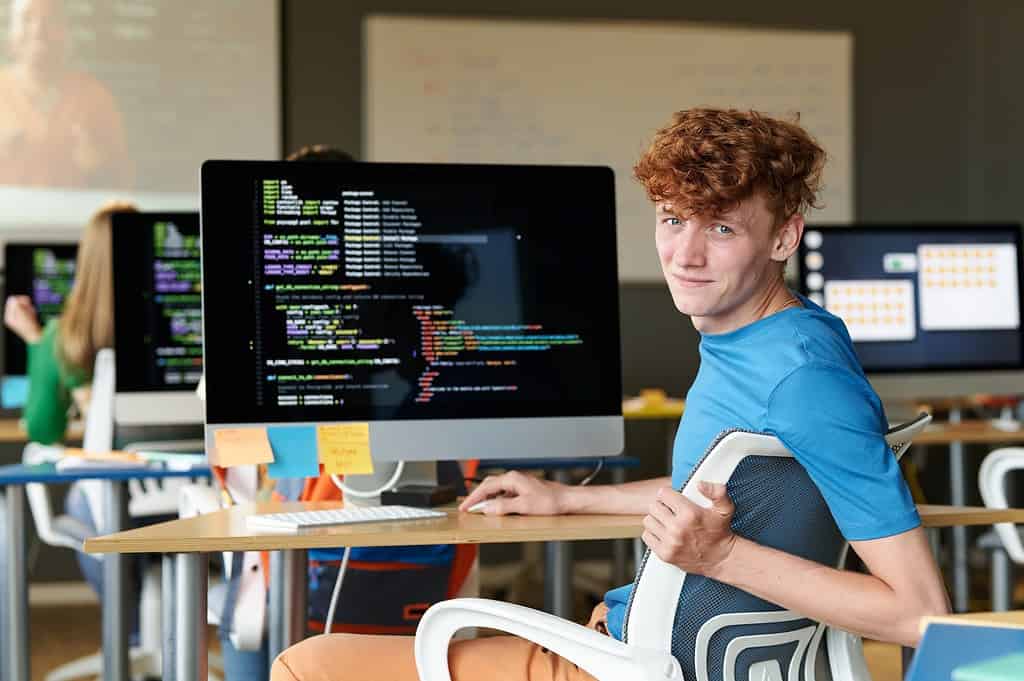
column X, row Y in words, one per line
column 787, row 238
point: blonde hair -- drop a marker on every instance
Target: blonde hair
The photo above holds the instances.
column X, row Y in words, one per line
column 87, row 321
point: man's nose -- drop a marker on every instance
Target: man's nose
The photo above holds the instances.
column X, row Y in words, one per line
column 690, row 248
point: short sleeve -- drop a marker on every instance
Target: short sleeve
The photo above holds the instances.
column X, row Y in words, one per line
column 833, row 422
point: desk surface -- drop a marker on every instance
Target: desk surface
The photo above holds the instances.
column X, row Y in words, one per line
column 11, row 431
column 226, row 530
column 1013, row 618
column 21, row 474
column 969, row 432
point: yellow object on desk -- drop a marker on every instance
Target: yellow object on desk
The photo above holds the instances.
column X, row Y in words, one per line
column 653, row 403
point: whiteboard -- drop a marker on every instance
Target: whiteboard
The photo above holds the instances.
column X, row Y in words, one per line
column 584, row 92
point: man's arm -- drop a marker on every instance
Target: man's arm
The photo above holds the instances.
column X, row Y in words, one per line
column 903, row 585
column 516, row 492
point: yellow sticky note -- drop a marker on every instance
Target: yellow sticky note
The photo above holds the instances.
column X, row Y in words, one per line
column 345, row 448
column 239, row 446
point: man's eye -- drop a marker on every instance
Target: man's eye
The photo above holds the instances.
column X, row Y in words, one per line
column 672, row 221
column 722, row 230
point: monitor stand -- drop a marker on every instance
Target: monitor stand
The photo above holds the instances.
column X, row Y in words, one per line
column 413, row 473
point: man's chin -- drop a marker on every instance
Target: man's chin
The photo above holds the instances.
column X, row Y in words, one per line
column 688, row 307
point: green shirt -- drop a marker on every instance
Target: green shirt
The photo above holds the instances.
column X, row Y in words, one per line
column 50, row 383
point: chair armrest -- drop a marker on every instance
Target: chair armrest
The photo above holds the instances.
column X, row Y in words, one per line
column 602, row 656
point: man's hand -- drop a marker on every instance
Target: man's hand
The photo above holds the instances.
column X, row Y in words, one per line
column 20, row 317
column 686, row 535
column 514, row 492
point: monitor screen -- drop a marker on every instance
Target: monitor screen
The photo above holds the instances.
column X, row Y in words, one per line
column 921, row 298
column 451, row 306
column 45, row 273
column 157, row 312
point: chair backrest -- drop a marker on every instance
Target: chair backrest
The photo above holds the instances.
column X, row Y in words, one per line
column 992, row 482
column 724, row 630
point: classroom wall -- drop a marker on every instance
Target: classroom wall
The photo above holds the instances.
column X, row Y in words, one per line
column 936, row 124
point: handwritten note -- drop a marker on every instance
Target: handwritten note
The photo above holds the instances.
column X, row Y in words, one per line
column 345, row 448
column 240, row 446
column 294, row 452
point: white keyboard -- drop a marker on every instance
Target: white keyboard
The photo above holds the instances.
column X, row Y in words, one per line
column 339, row 516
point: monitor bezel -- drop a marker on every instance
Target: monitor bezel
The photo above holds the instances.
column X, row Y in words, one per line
column 404, row 438
column 11, row 340
column 156, row 405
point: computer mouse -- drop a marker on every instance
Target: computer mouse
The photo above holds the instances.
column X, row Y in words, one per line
column 478, row 507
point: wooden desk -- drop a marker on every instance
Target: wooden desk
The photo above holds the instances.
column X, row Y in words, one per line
column 192, row 538
column 226, row 530
column 968, row 432
column 1012, row 618
column 954, row 435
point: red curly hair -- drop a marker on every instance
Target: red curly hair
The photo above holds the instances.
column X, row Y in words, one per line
column 706, row 161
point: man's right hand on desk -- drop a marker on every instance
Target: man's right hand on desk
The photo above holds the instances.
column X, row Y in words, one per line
column 515, row 492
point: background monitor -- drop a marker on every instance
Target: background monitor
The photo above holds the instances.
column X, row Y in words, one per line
column 157, row 318
column 45, row 272
column 934, row 310
column 462, row 310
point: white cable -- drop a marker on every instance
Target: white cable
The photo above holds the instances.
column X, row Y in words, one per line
column 593, row 474
column 359, row 494
column 337, row 590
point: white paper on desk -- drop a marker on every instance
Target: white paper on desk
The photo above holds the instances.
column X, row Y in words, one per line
column 78, row 463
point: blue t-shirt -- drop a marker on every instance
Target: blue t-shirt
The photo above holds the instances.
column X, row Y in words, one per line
column 795, row 375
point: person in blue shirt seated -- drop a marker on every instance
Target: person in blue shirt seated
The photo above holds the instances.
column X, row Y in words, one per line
column 729, row 190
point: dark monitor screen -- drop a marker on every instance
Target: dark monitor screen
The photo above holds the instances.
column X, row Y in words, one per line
column 921, row 297
column 157, row 301
column 365, row 291
column 44, row 272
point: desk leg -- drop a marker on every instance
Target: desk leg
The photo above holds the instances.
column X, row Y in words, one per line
column 168, row 617
column 620, row 547
column 558, row 569
column 116, row 666
column 958, row 497
column 15, row 656
column 190, row 656
column 906, row 656
column 288, row 607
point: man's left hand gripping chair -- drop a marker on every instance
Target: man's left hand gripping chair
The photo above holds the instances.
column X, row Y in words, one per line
column 724, row 634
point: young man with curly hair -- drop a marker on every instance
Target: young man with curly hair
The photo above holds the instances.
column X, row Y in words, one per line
column 730, row 189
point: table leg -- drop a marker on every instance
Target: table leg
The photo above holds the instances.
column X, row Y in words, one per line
column 620, row 547
column 958, row 497
column 558, row 569
column 288, row 599
column 191, row 582
column 116, row 666
column 168, row 617
column 906, row 656
column 16, row 654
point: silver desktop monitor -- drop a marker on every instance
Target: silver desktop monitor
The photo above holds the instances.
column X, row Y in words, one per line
column 934, row 310
column 157, row 319
column 463, row 311
column 44, row 272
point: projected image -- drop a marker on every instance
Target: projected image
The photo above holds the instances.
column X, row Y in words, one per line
column 102, row 95
column 59, row 125
column 967, row 287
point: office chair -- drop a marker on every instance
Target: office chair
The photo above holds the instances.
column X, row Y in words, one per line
column 661, row 641
column 1004, row 541
column 68, row 532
